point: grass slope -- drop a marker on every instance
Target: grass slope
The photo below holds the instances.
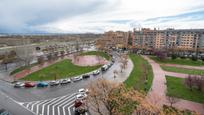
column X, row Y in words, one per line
column 62, row 69
column 178, row 61
column 98, row 53
column 177, row 88
column 183, row 70
column 136, row 78
column 22, row 68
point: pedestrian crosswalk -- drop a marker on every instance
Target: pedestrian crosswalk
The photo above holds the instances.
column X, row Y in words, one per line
column 55, row 106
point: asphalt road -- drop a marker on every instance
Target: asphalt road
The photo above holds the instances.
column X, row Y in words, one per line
column 28, row 101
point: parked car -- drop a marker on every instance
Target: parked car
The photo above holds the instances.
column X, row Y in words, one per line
column 81, row 96
column 83, row 91
column 4, row 112
column 42, row 84
column 30, row 84
column 65, row 81
column 54, row 83
column 78, row 78
column 85, row 76
column 19, row 84
column 104, row 68
column 96, row 72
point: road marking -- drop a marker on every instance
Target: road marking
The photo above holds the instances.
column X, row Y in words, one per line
column 20, row 103
column 63, row 104
column 48, row 107
column 37, row 112
column 43, row 106
column 60, row 102
column 34, row 105
column 68, row 109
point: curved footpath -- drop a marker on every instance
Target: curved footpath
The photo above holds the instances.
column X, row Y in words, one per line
column 158, row 91
column 185, row 66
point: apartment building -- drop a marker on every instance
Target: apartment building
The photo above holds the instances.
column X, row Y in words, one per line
column 182, row 39
column 116, row 39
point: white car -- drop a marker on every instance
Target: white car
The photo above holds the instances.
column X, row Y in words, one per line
column 19, row 85
column 54, row 83
column 77, row 78
column 81, row 96
column 65, row 81
column 96, row 72
column 83, row 91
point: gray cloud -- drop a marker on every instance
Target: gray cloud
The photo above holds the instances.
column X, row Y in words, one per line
column 21, row 15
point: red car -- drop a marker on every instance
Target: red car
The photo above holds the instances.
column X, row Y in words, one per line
column 29, row 84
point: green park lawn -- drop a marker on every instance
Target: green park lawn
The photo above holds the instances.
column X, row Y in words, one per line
column 136, row 78
column 178, row 61
column 177, row 88
column 22, row 68
column 183, row 70
column 98, row 53
column 62, row 69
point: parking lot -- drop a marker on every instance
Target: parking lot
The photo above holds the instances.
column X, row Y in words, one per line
column 56, row 106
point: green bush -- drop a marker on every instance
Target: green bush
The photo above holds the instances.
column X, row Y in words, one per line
column 173, row 56
column 194, row 58
column 183, row 57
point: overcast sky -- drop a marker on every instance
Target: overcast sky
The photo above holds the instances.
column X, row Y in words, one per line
column 97, row 16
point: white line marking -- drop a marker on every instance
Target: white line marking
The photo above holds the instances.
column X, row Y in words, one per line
column 16, row 102
column 68, row 109
column 48, row 107
column 38, row 106
column 60, row 102
column 43, row 106
column 63, row 104
column 34, row 105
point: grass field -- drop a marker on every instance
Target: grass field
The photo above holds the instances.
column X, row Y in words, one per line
column 98, row 53
column 183, row 70
column 136, row 78
column 177, row 88
column 62, row 69
column 22, row 68
column 178, row 61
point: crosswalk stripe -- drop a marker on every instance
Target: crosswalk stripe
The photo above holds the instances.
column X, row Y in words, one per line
column 60, row 102
column 37, row 110
column 33, row 105
column 63, row 104
column 43, row 106
column 55, row 106
column 68, row 109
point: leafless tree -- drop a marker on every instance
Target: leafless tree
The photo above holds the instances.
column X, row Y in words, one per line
column 25, row 52
column 189, row 82
column 108, row 98
column 172, row 100
column 199, row 82
column 41, row 60
column 99, row 96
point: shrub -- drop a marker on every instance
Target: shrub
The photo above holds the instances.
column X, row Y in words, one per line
column 183, row 57
column 173, row 56
column 194, row 58
column 202, row 59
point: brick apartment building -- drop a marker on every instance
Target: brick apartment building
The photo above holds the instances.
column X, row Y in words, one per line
column 112, row 39
column 181, row 39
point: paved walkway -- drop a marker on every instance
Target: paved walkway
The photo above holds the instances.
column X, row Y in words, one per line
column 120, row 77
column 158, row 88
column 185, row 66
column 158, row 93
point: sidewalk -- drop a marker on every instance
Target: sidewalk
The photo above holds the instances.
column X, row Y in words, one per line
column 159, row 89
column 185, row 66
column 158, row 86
